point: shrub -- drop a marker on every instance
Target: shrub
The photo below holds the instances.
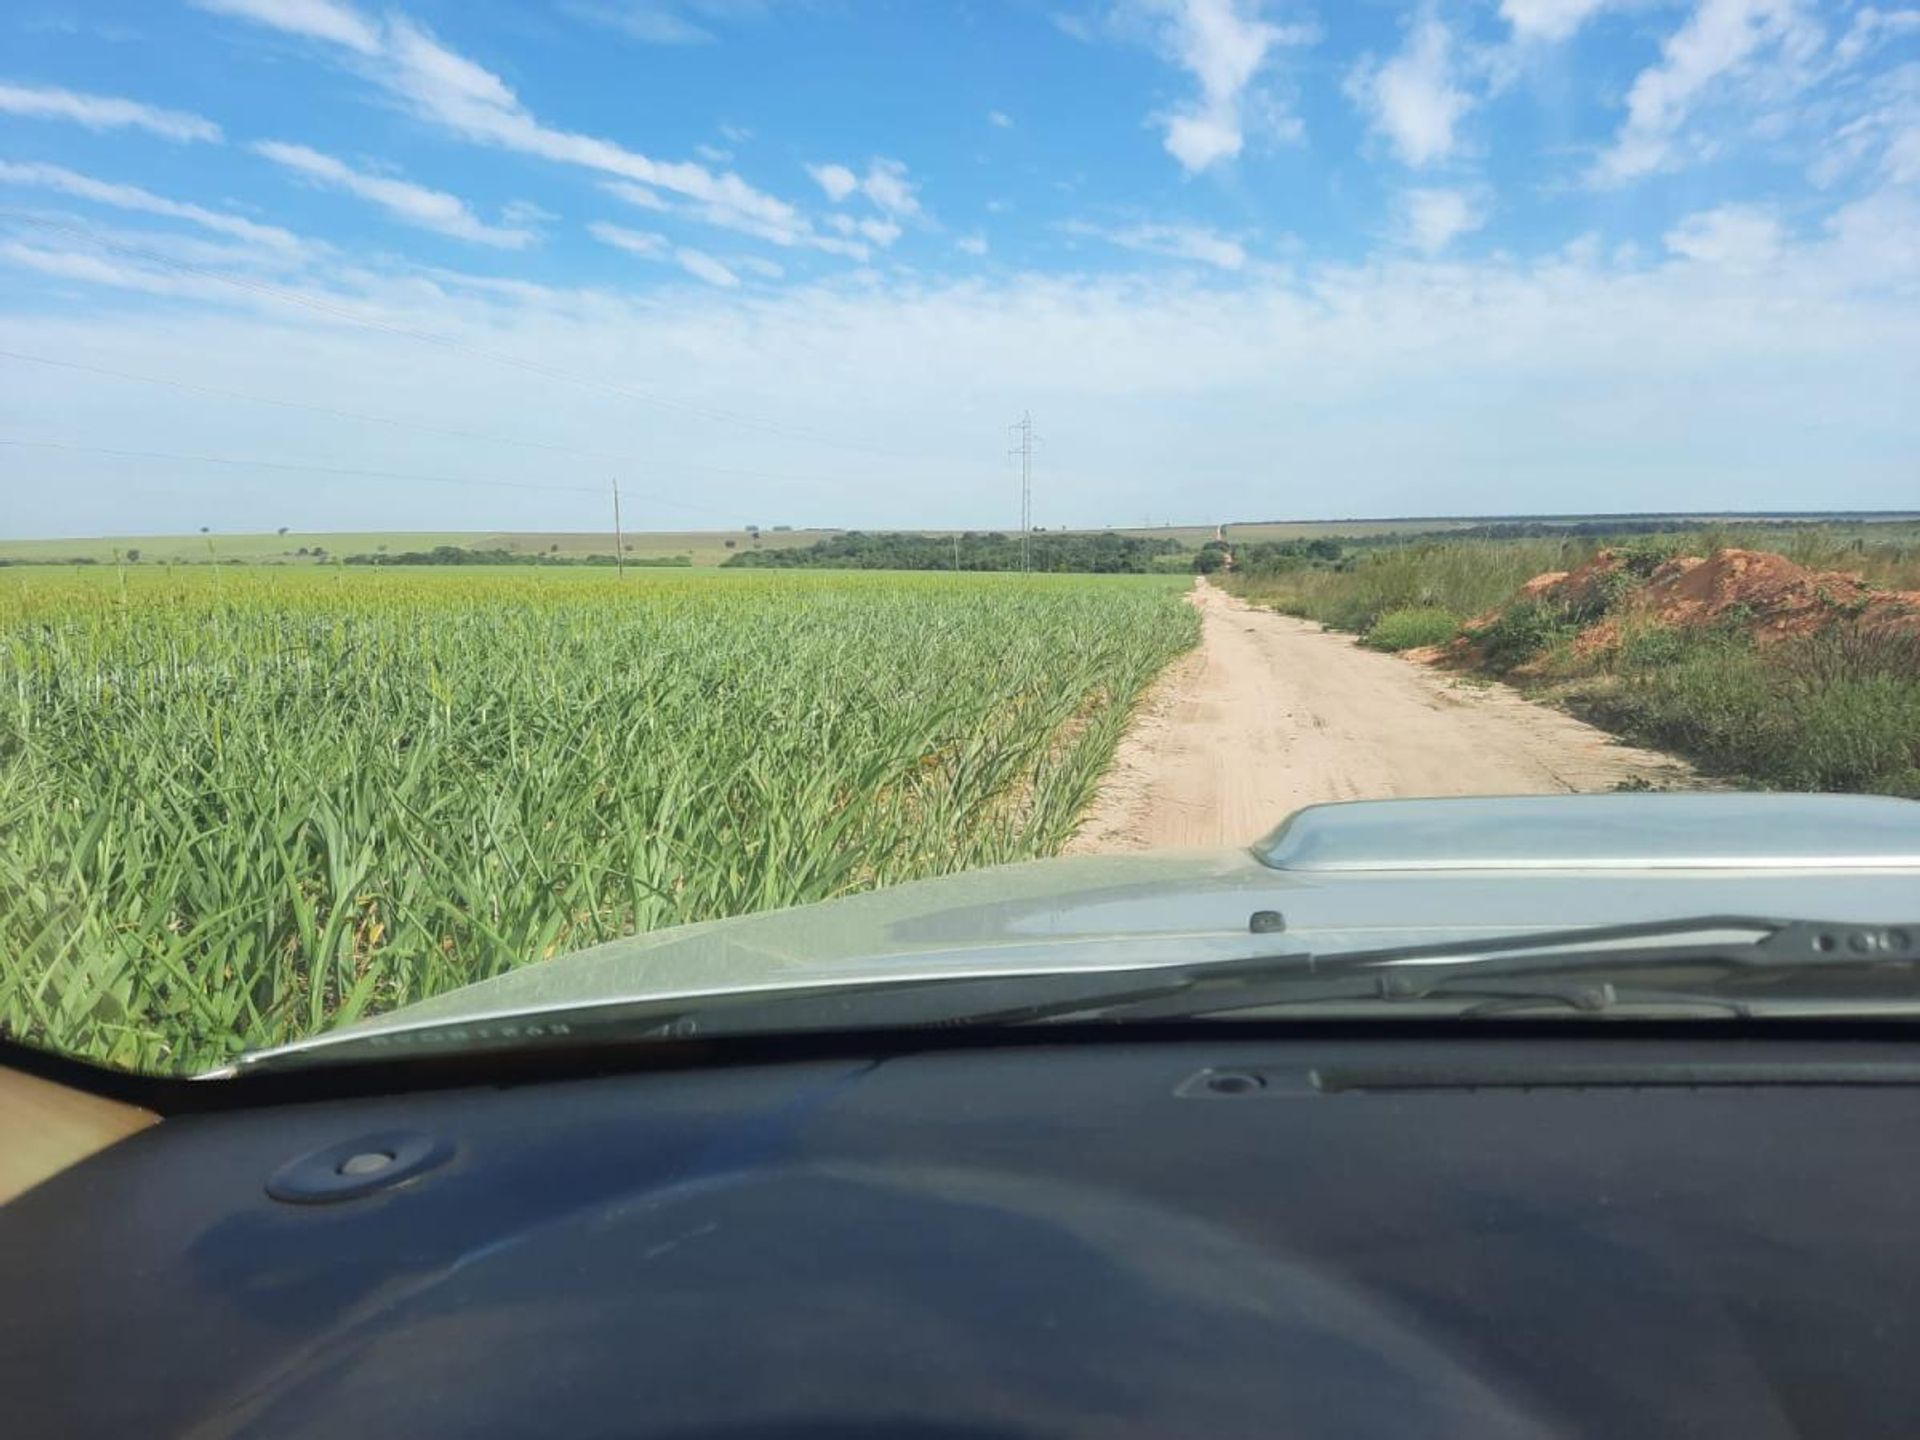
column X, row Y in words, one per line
column 1411, row 628
column 1650, row 647
column 1520, row 632
column 1836, row 711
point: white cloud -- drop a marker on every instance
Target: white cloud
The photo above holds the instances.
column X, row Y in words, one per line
column 837, row 180
column 525, row 212
column 649, row 24
column 316, row 19
column 1075, row 27
column 724, row 217
column 634, row 242
column 999, row 119
column 447, row 89
column 704, row 267
column 1413, row 99
column 667, row 22
column 879, row 231
column 975, row 244
column 1720, row 40
column 1578, row 378
column 1733, row 237
column 1178, row 242
column 130, row 197
column 1223, row 44
column 1548, row 21
column 1902, row 159
column 1870, row 28
column 651, row 246
column 885, row 184
column 103, row 112
column 638, row 195
column 1432, row 219
column 414, row 204
column 713, row 154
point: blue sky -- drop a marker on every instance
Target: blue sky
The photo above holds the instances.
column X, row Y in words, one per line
column 454, row 265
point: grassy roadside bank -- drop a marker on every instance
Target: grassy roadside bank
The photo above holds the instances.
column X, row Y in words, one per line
column 1793, row 667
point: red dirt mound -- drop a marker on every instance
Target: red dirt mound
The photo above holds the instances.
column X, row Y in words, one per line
column 1584, row 586
column 1770, row 594
column 1781, row 598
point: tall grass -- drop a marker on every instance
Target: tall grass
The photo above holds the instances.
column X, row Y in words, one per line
column 1837, row 710
column 1886, row 555
column 1463, row 576
column 230, row 816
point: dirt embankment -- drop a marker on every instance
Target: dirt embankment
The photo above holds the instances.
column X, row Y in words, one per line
column 1767, row 595
column 1270, row 713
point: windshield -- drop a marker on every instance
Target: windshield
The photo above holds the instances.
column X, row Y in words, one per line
column 487, row 486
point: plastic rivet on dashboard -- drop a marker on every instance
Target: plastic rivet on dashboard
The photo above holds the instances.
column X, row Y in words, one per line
column 360, row 1166
column 1235, row 1082
column 1267, row 922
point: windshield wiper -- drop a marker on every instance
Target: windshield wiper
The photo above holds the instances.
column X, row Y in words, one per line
column 1583, row 969
column 1532, row 967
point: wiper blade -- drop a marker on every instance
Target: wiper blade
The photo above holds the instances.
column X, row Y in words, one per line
column 1604, row 953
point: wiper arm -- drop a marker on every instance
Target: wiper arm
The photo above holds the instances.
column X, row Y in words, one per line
column 1782, row 947
column 1531, row 961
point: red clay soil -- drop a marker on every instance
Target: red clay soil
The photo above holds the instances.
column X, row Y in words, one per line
column 1772, row 596
column 1585, row 585
column 1782, row 598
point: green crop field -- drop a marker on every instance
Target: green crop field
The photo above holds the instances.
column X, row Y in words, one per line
column 238, row 803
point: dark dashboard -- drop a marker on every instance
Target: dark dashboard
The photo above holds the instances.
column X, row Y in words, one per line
column 1585, row 1235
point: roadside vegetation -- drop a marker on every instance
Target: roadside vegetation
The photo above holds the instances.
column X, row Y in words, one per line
column 238, row 804
column 1054, row 552
column 1786, row 657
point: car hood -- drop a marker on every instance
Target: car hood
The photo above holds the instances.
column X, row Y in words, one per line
column 1331, row 878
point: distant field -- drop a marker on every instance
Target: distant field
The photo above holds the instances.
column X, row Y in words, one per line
column 241, row 802
column 703, row 547
column 714, row 547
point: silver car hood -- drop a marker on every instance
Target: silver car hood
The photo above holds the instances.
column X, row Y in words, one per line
column 1340, row 877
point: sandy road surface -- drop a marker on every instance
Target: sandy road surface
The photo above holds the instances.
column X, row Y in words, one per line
column 1270, row 713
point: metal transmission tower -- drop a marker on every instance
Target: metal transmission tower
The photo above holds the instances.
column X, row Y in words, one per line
column 619, row 545
column 1024, row 429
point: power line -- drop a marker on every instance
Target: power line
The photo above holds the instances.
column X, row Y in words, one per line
column 421, row 426
column 353, row 317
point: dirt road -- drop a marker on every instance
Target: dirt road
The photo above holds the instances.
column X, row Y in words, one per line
column 1270, row 713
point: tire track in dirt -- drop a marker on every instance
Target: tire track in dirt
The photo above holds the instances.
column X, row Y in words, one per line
column 1269, row 713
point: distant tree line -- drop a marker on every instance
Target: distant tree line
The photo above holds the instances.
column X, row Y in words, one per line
column 461, row 555
column 1277, row 557
column 1055, row 552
